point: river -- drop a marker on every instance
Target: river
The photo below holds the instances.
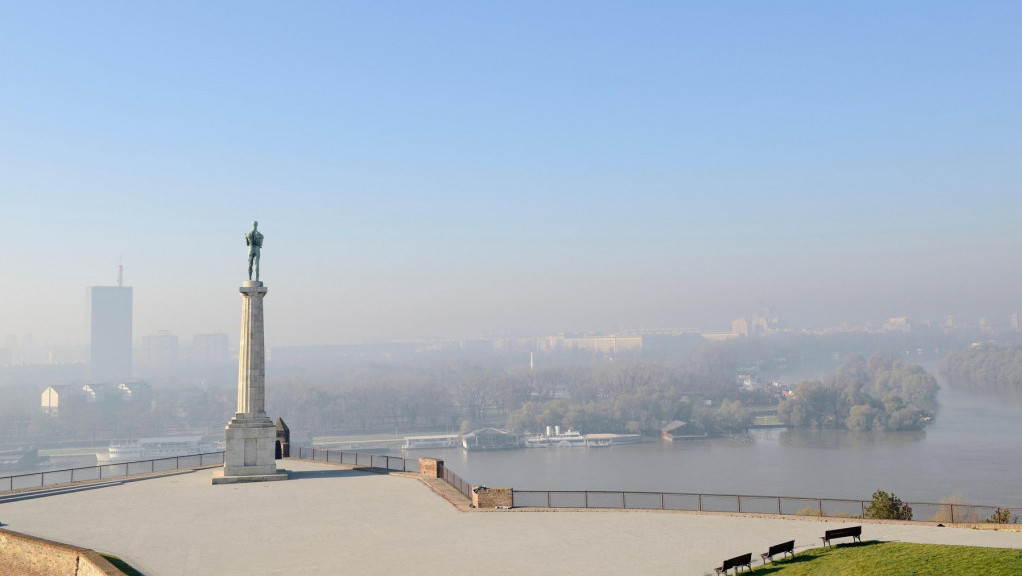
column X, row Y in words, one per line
column 972, row 453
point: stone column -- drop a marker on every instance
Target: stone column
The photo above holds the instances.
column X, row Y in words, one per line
column 251, row 434
column 252, row 353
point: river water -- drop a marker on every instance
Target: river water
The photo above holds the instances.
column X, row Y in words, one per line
column 972, row 453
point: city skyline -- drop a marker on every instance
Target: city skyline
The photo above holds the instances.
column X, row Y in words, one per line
column 463, row 170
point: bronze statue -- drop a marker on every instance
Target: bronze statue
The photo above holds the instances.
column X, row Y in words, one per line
column 254, row 241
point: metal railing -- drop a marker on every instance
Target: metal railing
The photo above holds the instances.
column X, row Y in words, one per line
column 107, row 471
column 364, row 459
column 749, row 504
column 458, row 482
column 953, row 513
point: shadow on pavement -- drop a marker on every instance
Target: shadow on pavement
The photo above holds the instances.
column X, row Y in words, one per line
column 31, row 493
column 336, row 473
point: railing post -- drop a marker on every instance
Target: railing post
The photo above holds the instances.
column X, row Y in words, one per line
column 547, row 498
column 585, row 499
column 819, row 504
column 661, row 500
column 624, row 501
column 862, row 508
column 739, row 498
column 952, row 513
column 700, row 502
column 778, row 505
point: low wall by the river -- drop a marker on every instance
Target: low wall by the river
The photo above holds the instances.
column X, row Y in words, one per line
column 26, row 555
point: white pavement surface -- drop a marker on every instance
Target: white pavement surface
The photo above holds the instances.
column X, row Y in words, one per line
column 329, row 520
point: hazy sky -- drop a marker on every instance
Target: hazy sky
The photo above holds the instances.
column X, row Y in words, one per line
column 456, row 168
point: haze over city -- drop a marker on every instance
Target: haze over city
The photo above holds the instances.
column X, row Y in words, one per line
column 457, row 169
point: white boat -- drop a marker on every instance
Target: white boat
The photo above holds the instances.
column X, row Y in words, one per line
column 557, row 439
column 162, row 447
column 425, row 442
column 607, row 440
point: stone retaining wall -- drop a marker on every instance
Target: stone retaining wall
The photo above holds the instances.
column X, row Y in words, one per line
column 483, row 497
column 431, row 468
column 24, row 555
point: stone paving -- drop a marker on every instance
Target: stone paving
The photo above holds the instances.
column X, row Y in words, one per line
column 328, row 519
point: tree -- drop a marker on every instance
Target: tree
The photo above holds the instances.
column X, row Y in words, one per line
column 732, row 417
column 1002, row 516
column 861, row 418
column 887, row 507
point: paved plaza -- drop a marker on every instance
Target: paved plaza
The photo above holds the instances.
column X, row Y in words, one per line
column 329, row 519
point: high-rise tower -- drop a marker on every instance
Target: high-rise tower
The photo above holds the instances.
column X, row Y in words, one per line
column 110, row 331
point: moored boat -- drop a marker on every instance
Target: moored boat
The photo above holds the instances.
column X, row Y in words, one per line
column 160, row 447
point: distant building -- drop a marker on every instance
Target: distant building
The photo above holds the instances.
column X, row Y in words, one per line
column 211, row 349
column 740, row 327
column 62, row 396
column 489, row 439
column 159, row 351
column 98, row 392
column 110, row 332
column 135, row 392
column 607, row 345
column 763, row 322
column 901, row 324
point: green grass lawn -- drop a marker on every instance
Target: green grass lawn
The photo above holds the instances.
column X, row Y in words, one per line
column 897, row 559
column 121, row 565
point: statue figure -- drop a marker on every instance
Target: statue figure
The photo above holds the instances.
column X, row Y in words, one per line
column 254, row 241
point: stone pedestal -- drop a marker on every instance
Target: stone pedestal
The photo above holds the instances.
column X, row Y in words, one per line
column 251, row 434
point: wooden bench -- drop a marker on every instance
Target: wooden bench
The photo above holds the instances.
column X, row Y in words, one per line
column 736, row 563
column 782, row 548
column 855, row 532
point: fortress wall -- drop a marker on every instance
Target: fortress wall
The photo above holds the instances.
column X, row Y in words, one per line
column 24, row 555
column 431, row 468
column 491, row 497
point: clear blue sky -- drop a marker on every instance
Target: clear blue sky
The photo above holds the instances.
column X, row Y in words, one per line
column 454, row 168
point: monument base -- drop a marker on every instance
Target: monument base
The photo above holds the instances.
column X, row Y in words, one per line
column 249, row 456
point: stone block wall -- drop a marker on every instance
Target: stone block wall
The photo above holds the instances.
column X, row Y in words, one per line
column 492, row 497
column 30, row 556
column 431, row 468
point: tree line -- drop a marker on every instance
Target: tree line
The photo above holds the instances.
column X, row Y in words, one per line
column 636, row 394
column 629, row 396
column 883, row 393
column 985, row 368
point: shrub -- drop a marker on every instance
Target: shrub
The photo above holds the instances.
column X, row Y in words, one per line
column 1002, row 516
column 888, row 507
